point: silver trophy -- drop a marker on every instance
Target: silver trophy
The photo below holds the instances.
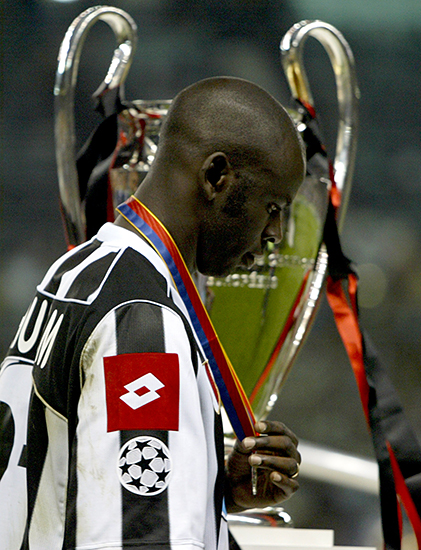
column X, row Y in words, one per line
column 273, row 305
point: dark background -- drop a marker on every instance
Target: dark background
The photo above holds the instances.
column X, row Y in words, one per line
column 179, row 42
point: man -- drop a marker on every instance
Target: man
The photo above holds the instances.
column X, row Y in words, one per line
column 109, row 408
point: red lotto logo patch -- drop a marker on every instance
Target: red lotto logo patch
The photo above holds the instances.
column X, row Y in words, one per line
column 142, row 391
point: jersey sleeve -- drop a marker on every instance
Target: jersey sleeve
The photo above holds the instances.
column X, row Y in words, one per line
column 143, row 472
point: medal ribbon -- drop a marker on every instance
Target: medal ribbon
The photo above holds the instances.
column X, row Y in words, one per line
column 396, row 447
column 233, row 397
column 397, row 450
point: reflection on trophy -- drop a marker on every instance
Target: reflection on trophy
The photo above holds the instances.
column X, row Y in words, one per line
column 262, row 315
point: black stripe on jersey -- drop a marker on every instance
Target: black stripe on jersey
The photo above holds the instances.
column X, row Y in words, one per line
column 89, row 280
column 153, row 530
column 7, row 431
column 23, row 460
column 71, row 506
column 37, row 445
column 74, row 260
column 139, row 326
column 146, row 282
column 220, row 480
column 148, row 336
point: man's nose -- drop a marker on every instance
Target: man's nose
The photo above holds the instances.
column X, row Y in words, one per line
column 273, row 230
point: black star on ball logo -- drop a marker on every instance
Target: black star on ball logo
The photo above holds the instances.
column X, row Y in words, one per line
column 150, row 479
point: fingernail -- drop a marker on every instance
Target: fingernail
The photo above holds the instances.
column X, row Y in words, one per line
column 249, row 443
column 276, row 477
column 255, row 460
column 261, row 426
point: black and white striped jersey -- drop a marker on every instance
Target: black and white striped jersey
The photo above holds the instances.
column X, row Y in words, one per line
column 110, row 432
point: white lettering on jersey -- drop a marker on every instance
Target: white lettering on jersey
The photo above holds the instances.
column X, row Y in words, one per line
column 48, row 338
column 26, row 345
column 148, row 381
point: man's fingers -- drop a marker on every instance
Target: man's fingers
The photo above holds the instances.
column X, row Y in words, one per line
column 288, row 466
column 280, row 445
column 288, row 485
column 272, row 427
column 275, row 439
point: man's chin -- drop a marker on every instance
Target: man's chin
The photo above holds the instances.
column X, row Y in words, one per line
column 217, row 273
column 211, row 269
column 218, row 270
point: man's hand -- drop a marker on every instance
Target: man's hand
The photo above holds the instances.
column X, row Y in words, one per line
column 275, row 455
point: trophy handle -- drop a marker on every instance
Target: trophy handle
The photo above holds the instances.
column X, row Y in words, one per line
column 342, row 60
column 125, row 30
column 343, row 65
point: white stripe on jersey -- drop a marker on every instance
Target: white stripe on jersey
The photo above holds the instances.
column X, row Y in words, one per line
column 187, row 508
column 98, row 487
column 56, row 265
column 116, row 236
column 13, row 483
column 47, row 523
column 70, row 276
column 208, row 412
column 116, row 239
column 122, row 238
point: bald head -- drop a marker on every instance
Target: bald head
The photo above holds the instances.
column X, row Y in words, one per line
column 229, row 159
column 225, row 114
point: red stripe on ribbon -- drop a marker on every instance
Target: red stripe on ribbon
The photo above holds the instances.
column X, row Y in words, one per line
column 221, row 361
column 405, row 496
column 348, row 328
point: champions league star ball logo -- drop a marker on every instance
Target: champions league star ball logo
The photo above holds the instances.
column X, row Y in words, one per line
column 144, row 466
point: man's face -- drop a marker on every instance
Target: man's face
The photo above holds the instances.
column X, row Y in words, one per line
column 244, row 218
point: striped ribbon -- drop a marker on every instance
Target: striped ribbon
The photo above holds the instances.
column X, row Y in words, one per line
column 397, row 450
column 233, row 397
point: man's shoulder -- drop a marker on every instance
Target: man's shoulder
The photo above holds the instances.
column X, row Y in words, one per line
column 115, row 261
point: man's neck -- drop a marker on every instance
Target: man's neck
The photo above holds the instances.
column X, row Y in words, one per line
column 185, row 247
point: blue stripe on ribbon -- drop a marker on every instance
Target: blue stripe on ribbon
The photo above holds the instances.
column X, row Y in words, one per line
column 150, row 234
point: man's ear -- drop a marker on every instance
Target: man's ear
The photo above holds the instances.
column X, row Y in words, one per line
column 214, row 174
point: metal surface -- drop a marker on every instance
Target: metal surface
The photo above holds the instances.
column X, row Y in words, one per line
column 262, row 316
column 343, row 65
column 124, row 29
column 139, row 127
